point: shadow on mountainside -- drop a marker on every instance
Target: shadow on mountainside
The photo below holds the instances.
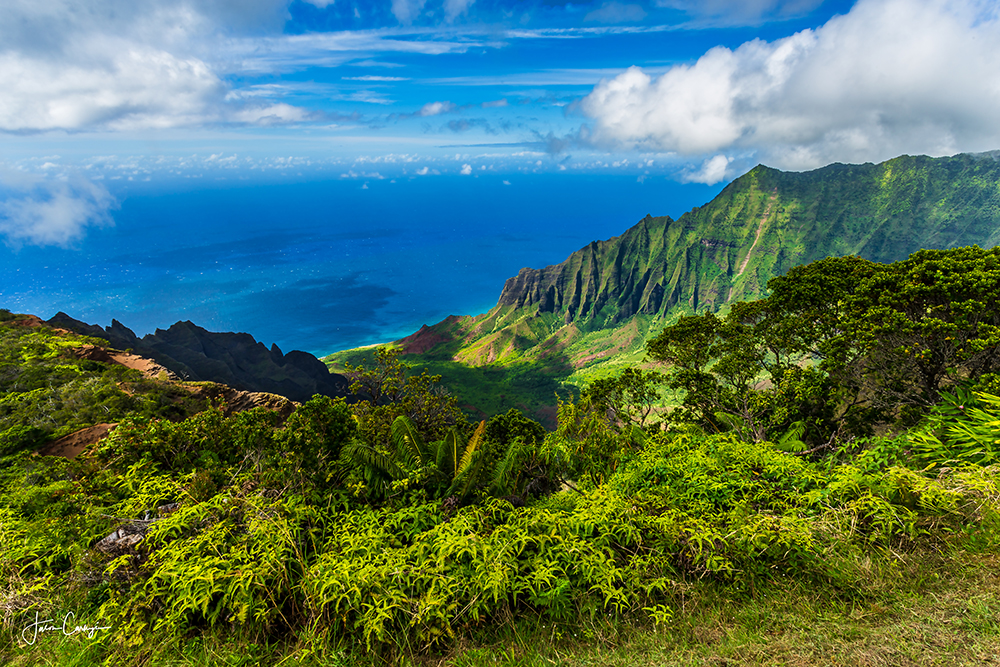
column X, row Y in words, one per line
column 529, row 385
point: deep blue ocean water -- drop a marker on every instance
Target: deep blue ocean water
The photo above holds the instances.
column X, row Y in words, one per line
column 323, row 265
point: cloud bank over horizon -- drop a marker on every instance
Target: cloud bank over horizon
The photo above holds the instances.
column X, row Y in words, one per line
column 795, row 84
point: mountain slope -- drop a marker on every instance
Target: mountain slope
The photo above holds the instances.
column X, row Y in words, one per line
column 605, row 299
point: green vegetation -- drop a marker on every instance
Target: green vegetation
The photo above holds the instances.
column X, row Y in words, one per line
column 826, row 490
column 592, row 314
column 48, row 390
column 482, row 391
column 841, row 347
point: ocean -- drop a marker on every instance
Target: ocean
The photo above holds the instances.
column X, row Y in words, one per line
column 323, row 265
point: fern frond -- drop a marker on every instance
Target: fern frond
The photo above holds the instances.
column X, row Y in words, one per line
column 471, row 448
column 370, row 462
column 468, row 477
column 409, row 444
column 448, row 453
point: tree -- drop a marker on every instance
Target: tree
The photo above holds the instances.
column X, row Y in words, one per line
column 504, row 429
column 928, row 322
column 315, row 434
column 839, row 345
column 389, row 389
column 628, row 399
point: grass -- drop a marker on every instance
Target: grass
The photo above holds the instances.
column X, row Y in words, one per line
column 931, row 608
column 936, row 610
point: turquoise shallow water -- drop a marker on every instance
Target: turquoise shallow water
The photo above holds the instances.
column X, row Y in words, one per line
column 325, row 265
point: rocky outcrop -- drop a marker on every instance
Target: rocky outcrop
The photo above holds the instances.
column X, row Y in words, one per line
column 234, row 359
column 126, row 538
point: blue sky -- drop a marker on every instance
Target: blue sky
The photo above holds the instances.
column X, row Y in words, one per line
column 694, row 90
column 108, row 100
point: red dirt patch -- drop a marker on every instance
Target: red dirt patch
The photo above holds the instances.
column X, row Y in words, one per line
column 72, row 445
column 92, row 352
column 29, row 321
column 423, row 340
column 149, row 368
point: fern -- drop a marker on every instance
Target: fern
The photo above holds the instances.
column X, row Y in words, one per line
column 409, row 444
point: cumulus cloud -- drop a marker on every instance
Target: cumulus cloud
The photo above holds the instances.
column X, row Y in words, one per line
column 39, row 210
column 132, row 86
column 117, row 64
column 712, row 171
column 616, row 12
column 125, row 65
column 466, row 170
column 891, row 76
column 436, row 108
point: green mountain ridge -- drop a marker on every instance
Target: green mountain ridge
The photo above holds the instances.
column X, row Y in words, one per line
column 602, row 303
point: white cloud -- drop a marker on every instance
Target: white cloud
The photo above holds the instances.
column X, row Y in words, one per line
column 423, row 171
column 125, row 65
column 370, row 77
column 117, row 64
column 271, row 115
column 455, row 8
column 290, row 53
column 323, row 4
column 48, row 211
column 118, row 86
column 407, row 10
column 712, row 171
column 436, row 108
column 892, row 76
column 616, row 12
column 738, row 12
column 466, row 170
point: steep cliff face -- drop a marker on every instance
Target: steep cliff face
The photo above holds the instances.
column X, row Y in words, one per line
column 234, row 359
column 608, row 280
column 758, row 227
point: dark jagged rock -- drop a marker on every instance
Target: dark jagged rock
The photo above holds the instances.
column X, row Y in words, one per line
column 234, row 359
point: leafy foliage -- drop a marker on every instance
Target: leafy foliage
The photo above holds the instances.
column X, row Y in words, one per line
column 840, row 346
column 391, row 527
column 390, row 389
column 47, row 391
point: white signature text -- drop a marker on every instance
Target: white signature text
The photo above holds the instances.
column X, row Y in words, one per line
column 31, row 631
